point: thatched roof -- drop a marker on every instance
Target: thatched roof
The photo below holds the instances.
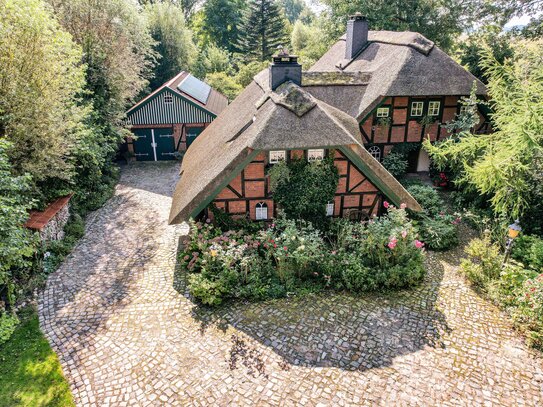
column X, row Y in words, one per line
column 259, row 119
column 398, row 64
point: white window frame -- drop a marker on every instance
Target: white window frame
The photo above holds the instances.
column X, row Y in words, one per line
column 382, row 112
column 375, row 152
column 276, row 156
column 330, row 209
column 315, row 154
column 261, row 211
column 417, row 107
column 434, row 107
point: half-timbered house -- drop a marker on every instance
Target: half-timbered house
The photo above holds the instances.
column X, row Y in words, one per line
column 369, row 92
column 167, row 121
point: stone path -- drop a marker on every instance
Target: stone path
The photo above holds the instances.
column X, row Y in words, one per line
column 126, row 336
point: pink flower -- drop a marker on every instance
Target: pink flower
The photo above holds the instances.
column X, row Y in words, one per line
column 208, row 220
column 392, row 243
column 386, row 204
column 419, row 244
column 285, row 248
column 404, row 233
column 403, row 206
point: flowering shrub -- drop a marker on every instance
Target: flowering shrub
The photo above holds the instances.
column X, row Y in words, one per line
column 384, row 253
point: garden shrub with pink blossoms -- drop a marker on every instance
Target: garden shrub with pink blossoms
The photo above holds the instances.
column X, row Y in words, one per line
column 292, row 256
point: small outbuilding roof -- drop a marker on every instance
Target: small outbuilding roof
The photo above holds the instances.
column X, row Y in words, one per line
column 261, row 119
column 215, row 103
column 397, row 64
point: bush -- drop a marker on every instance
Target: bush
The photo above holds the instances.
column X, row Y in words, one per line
column 529, row 250
column 396, row 164
column 517, row 289
column 291, row 255
column 8, row 323
column 440, row 233
column 302, row 189
column 428, row 198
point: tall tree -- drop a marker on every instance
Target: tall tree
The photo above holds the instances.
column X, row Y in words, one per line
column 296, row 9
column 40, row 81
column 173, row 41
column 221, row 23
column 117, row 50
column 502, row 165
column 263, row 29
column 439, row 20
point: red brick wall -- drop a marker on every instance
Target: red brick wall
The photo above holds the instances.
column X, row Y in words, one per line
column 354, row 192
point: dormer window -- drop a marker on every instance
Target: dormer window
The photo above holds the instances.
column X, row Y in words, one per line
column 433, row 108
column 417, row 108
column 168, row 99
column 276, row 156
column 315, row 155
column 382, row 112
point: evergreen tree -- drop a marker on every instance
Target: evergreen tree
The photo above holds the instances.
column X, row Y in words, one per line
column 263, row 29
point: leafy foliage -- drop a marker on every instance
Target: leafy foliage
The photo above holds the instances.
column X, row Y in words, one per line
column 221, row 23
column 303, row 189
column 517, row 289
column 293, row 256
column 309, row 42
column 396, row 164
column 16, row 242
column 173, row 41
column 224, row 83
column 502, row 165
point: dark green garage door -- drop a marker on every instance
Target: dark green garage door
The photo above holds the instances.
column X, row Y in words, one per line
column 192, row 133
column 154, row 144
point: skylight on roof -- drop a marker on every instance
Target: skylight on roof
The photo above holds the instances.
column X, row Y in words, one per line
column 195, row 88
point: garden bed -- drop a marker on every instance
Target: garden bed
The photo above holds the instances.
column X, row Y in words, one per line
column 292, row 256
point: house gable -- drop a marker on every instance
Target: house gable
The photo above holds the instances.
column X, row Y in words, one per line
column 154, row 110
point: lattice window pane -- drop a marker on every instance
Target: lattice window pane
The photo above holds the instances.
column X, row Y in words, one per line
column 417, row 108
column 433, row 108
column 382, row 111
column 330, row 209
column 315, row 155
column 261, row 211
column 276, row 156
column 375, row 152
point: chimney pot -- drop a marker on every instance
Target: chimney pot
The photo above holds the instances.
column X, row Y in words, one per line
column 285, row 67
column 357, row 35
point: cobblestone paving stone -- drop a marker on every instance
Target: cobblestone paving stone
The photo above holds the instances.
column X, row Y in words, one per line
column 127, row 334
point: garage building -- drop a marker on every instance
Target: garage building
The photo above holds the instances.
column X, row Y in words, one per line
column 167, row 121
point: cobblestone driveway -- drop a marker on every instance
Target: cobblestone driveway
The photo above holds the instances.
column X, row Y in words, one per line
column 125, row 336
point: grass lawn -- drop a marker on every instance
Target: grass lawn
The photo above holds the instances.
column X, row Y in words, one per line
column 30, row 373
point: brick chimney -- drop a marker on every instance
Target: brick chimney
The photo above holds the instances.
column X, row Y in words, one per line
column 285, row 67
column 357, row 35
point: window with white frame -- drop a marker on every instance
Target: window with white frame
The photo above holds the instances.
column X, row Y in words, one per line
column 315, row 155
column 261, row 211
column 375, row 152
column 168, row 99
column 276, row 156
column 330, row 209
column 416, row 108
column 433, row 108
column 382, row 111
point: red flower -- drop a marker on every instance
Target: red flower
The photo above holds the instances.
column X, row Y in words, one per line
column 386, row 204
column 285, row 248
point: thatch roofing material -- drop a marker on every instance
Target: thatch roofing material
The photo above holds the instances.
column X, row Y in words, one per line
column 289, row 119
column 399, row 64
